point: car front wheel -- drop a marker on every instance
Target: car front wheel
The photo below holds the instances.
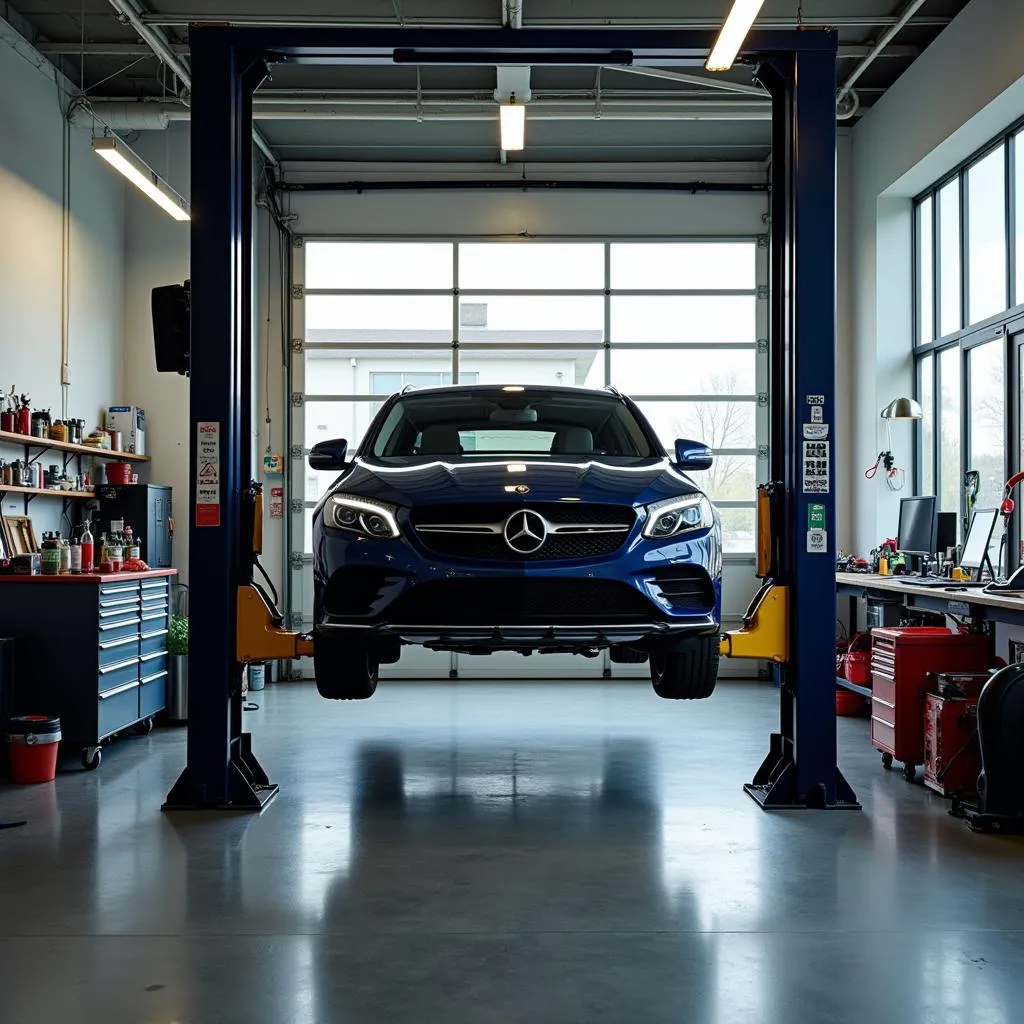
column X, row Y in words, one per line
column 687, row 673
column 344, row 670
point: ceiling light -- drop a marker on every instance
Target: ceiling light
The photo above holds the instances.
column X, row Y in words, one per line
column 513, row 125
column 141, row 175
column 734, row 31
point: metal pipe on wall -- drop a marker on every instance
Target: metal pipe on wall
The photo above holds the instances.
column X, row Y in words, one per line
column 884, row 40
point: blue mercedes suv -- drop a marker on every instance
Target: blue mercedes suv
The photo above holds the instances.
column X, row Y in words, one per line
column 517, row 518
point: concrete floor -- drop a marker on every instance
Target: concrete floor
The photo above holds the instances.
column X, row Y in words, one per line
column 503, row 852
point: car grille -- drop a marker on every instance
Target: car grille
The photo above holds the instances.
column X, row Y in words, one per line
column 475, row 531
column 509, row 602
column 686, row 588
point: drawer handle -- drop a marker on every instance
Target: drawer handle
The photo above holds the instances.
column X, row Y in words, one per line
column 117, row 590
column 154, row 635
column 123, row 688
column 153, row 678
column 119, row 643
column 117, row 625
column 158, row 585
column 149, row 618
column 120, row 665
column 884, row 703
column 118, row 604
column 155, row 654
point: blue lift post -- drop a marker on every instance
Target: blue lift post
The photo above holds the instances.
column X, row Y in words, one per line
column 798, row 68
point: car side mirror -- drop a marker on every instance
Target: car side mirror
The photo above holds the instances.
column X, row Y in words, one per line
column 693, row 455
column 329, row 455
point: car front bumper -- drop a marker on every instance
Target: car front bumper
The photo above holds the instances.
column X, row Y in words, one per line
column 391, row 590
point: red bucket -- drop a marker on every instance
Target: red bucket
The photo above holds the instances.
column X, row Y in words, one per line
column 32, row 742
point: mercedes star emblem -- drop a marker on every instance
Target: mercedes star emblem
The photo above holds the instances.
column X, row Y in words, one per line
column 525, row 532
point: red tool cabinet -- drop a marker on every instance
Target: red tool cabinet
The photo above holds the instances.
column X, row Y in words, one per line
column 901, row 659
column 952, row 754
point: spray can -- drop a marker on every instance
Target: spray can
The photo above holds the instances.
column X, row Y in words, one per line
column 87, row 547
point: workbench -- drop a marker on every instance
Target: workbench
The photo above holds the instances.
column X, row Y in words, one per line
column 956, row 600
column 90, row 649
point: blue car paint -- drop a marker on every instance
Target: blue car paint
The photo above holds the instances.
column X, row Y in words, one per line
column 419, row 481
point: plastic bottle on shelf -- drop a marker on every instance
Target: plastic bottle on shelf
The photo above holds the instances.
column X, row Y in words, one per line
column 87, row 547
column 131, row 542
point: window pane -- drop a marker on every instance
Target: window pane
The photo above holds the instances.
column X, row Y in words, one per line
column 326, row 421
column 926, row 391
column 949, row 259
column 925, row 272
column 986, row 236
column 513, row 319
column 640, row 371
column 988, row 420
column 395, row 265
column 544, row 266
column 1019, row 193
column 569, row 367
column 737, row 530
column 684, row 265
column 730, row 478
column 694, row 319
column 950, row 466
column 354, row 318
column 718, row 424
column 355, row 371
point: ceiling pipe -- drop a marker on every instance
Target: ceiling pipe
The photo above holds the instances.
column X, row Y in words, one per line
column 152, row 116
column 677, row 24
column 158, row 42
column 884, row 40
column 722, row 84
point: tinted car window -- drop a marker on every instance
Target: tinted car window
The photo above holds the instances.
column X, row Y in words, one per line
column 495, row 421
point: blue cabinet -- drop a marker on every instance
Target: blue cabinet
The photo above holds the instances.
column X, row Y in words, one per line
column 90, row 649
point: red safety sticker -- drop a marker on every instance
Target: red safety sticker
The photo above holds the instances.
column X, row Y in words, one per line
column 208, row 473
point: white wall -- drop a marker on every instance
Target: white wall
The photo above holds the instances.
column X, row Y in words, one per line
column 962, row 91
column 31, row 130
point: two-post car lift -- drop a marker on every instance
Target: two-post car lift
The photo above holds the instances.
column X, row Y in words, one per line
column 229, row 625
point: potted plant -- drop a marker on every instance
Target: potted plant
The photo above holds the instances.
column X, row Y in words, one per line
column 177, row 651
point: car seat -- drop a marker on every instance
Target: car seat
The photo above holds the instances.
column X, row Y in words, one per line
column 440, row 439
column 573, row 441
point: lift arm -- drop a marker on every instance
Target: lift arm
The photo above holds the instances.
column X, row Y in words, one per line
column 261, row 635
column 765, row 632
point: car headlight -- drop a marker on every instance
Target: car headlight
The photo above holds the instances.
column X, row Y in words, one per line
column 678, row 515
column 361, row 515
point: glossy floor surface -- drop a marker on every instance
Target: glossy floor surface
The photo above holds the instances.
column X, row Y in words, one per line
column 503, row 852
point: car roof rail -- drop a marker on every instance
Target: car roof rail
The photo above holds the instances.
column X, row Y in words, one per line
column 613, row 390
column 407, row 389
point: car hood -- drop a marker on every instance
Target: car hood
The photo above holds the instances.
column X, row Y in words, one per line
column 421, row 481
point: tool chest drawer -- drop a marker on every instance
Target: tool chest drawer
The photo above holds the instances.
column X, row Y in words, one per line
column 117, row 626
column 152, row 693
column 113, row 652
column 153, row 641
column 121, row 670
column 118, row 708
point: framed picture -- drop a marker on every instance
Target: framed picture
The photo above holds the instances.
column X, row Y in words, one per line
column 19, row 537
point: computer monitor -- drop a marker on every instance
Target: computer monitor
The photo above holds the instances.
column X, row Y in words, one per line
column 979, row 540
column 916, row 534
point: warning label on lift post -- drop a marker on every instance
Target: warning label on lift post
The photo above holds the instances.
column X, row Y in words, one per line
column 207, row 473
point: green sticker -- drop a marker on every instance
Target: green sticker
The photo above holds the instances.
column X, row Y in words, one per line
column 816, row 517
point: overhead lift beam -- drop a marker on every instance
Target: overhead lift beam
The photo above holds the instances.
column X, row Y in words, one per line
column 798, row 70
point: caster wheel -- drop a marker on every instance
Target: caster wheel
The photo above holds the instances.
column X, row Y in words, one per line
column 910, row 772
column 887, row 762
column 91, row 758
column 145, row 727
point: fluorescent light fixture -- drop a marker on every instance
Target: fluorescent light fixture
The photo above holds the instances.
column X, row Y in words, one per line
column 734, row 31
column 141, row 175
column 513, row 125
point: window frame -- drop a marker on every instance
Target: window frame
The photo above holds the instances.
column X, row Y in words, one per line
column 1006, row 325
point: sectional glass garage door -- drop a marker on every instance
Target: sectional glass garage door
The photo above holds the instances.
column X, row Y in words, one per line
column 678, row 325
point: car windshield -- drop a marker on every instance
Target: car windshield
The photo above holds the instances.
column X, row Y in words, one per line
column 497, row 421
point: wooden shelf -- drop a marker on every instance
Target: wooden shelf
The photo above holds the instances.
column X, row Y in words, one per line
column 45, row 492
column 6, row 437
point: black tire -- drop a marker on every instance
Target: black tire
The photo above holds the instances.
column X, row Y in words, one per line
column 91, row 758
column 626, row 655
column 145, row 727
column 344, row 670
column 687, row 673
column 910, row 772
column 887, row 761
